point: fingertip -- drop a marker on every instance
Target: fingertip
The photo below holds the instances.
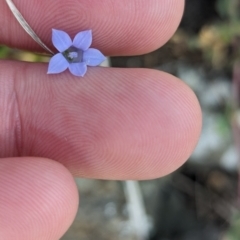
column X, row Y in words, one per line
column 119, row 27
column 39, row 199
column 182, row 118
column 163, row 129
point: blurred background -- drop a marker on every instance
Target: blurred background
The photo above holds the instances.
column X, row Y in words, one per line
column 201, row 199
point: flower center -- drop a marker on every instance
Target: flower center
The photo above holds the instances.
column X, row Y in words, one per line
column 73, row 55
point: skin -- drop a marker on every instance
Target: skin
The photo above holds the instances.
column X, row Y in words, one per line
column 112, row 124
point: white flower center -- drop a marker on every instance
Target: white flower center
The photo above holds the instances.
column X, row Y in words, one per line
column 72, row 55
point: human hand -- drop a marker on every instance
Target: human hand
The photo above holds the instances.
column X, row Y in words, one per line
column 111, row 124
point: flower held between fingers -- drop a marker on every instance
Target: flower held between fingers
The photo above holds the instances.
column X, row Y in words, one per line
column 74, row 55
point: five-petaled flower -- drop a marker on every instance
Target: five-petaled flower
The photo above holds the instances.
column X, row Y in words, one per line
column 74, row 55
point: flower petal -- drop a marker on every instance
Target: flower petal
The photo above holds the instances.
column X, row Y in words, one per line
column 57, row 64
column 93, row 57
column 83, row 40
column 78, row 69
column 61, row 40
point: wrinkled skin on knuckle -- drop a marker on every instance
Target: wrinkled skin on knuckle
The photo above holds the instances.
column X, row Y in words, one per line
column 10, row 117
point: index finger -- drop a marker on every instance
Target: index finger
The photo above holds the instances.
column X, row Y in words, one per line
column 126, row 27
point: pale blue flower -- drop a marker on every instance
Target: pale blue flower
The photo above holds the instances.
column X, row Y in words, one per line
column 74, row 55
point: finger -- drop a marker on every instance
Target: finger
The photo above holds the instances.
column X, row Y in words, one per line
column 113, row 123
column 38, row 200
column 123, row 27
